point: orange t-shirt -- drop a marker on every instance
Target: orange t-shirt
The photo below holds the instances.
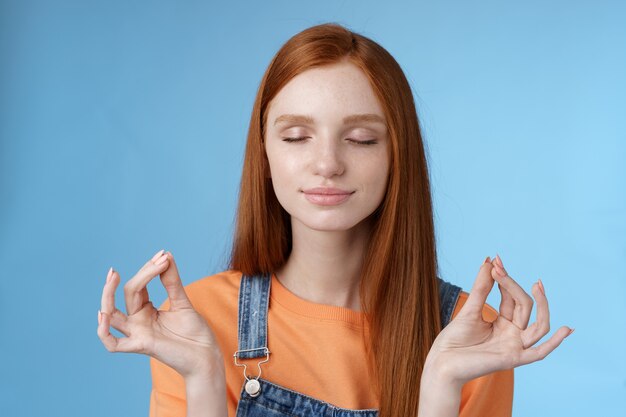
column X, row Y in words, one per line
column 313, row 349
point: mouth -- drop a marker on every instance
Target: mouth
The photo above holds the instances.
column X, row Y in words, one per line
column 327, row 199
column 326, row 191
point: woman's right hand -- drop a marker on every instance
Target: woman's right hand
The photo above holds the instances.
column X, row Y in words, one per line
column 179, row 337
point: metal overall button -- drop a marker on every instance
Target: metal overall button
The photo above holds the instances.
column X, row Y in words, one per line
column 252, row 387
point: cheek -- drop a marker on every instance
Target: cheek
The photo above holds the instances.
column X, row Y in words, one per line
column 376, row 177
column 380, row 181
column 284, row 165
column 283, row 172
column 273, row 160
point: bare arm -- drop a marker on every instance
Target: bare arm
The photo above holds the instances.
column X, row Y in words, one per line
column 206, row 394
column 439, row 397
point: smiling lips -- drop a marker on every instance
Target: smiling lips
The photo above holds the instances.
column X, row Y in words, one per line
column 327, row 196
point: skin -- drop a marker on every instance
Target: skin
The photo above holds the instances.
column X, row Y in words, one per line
column 179, row 337
column 330, row 241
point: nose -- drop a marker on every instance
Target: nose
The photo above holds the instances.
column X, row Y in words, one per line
column 327, row 159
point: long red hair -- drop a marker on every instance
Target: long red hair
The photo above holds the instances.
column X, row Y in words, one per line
column 399, row 292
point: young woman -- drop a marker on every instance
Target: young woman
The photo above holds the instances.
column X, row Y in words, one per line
column 331, row 304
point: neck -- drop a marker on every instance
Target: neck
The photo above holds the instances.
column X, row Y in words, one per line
column 325, row 267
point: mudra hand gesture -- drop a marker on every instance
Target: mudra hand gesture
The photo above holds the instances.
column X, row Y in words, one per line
column 469, row 347
column 179, row 337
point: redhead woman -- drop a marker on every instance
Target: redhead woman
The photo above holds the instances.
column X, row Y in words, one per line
column 331, row 304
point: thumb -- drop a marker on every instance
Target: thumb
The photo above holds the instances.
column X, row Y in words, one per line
column 174, row 286
column 483, row 284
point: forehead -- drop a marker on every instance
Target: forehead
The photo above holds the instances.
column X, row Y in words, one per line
column 334, row 90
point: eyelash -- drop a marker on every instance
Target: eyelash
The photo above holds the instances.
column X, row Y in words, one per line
column 363, row 142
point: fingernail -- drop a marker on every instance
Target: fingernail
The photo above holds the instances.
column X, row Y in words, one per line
column 99, row 317
column 487, row 260
column 500, row 264
column 500, row 270
column 161, row 260
column 570, row 332
column 109, row 274
column 156, row 255
column 543, row 290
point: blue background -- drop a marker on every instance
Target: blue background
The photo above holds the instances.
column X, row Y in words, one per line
column 123, row 126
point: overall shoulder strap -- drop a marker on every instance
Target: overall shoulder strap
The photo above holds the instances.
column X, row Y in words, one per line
column 253, row 305
column 448, row 296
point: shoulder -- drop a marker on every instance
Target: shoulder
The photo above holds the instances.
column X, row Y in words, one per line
column 217, row 292
column 222, row 281
column 212, row 288
column 489, row 313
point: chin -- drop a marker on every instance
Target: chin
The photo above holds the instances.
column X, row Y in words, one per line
column 324, row 228
column 330, row 224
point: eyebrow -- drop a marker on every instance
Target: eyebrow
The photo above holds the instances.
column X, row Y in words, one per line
column 353, row 118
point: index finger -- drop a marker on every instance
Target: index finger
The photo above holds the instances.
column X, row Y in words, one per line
column 135, row 292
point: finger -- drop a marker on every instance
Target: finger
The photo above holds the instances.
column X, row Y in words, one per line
column 108, row 340
column 135, row 292
column 483, row 284
column 507, row 304
column 119, row 322
column 142, row 296
column 537, row 353
column 112, row 343
column 541, row 326
column 523, row 303
column 134, row 296
column 107, row 303
column 157, row 255
column 107, row 307
column 143, row 293
column 174, row 286
column 153, row 259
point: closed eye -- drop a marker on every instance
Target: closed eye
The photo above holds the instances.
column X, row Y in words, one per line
column 298, row 139
column 364, row 142
column 360, row 142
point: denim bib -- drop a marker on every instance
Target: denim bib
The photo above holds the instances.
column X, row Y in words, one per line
column 262, row 398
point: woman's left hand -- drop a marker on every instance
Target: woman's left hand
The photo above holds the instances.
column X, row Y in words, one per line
column 469, row 347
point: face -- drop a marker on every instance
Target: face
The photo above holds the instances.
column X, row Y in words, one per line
column 326, row 129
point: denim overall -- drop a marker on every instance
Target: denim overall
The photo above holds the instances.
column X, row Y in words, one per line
column 261, row 398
